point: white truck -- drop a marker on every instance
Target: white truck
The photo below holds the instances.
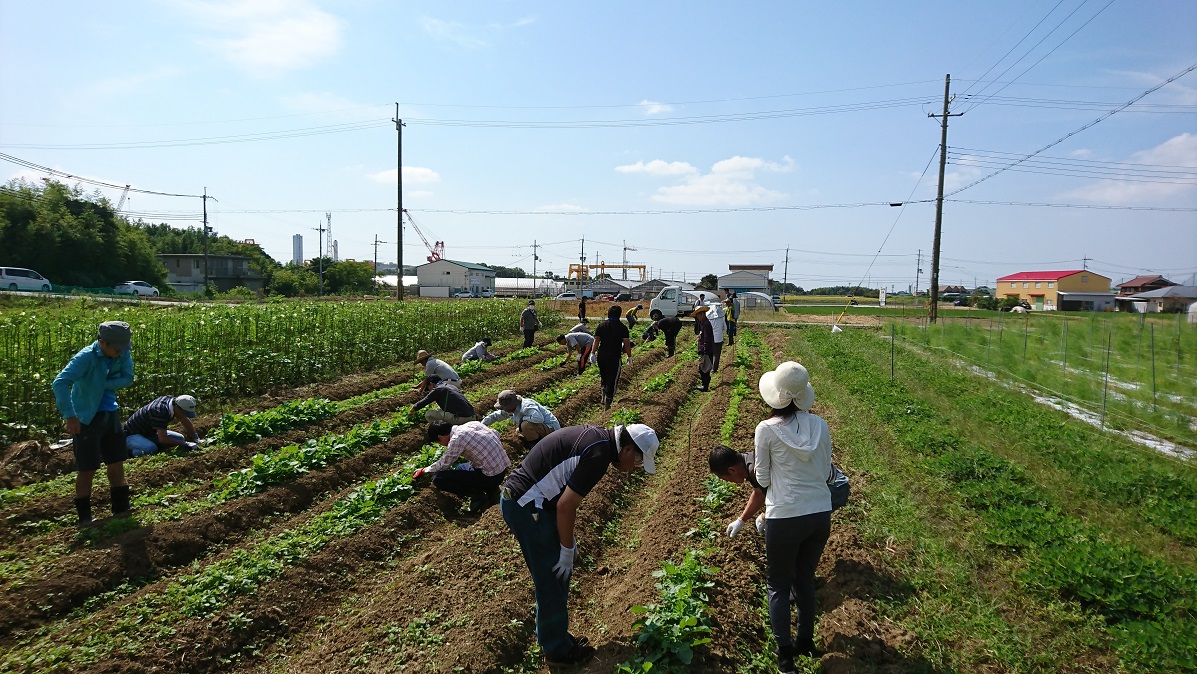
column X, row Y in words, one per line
column 673, row 301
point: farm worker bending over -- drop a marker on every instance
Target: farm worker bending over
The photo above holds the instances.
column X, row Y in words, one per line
column 434, row 367
column 732, row 466
column 793, row 460
column 611, row 339
column 631, row 315
column 145, row 429
column 669, row 326
column 540, row 502
column 582, row 326
column 454, row 408
column 85, row 393
column 485, row 465
column 479, row 352
column 706, row 346
column 581, row 342
column 532, row 420
column 529, row 323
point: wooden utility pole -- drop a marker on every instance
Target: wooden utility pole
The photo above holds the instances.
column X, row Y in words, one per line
column 207, row 291
column 943, row 162
column 399, row 199
column 376, row 242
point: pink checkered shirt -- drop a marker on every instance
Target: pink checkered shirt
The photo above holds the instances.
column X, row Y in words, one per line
column 480, row 445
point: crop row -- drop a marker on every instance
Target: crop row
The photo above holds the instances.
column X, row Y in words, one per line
column 1148, row 604
column 219, row 353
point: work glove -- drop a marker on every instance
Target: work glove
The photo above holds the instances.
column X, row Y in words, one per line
column 593, row 358
column 760, row 523
column 418, row 473
column 734, row 527
column 629, row 363
column 565, row 563
column 191, row 446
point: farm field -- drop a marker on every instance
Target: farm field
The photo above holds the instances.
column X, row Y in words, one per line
column 1021, row 541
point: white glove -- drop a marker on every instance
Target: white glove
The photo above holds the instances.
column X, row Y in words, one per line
column 760, row 523
column 593, row 358
column 734, row 527
column 565, row 563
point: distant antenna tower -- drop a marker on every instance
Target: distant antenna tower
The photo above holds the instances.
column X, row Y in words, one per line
column 328, row 217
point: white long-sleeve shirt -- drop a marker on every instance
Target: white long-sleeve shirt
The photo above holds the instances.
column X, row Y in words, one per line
column 793, row 459
column 715, row 316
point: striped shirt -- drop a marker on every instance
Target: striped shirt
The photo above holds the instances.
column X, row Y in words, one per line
column 148, row 419
column 576, row 457
column 477, row 444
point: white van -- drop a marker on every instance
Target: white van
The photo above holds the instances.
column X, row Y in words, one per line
column 17, row 278
column 673, row 301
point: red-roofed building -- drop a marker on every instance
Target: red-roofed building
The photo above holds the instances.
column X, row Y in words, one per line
column 1142, row 284
column 1067, row 290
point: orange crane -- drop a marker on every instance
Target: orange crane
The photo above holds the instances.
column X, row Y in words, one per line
column 437, row 252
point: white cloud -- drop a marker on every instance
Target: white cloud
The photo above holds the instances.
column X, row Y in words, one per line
column 411, row 175
column 655, row 108
column 1176, row 151
column 731, row 182
column 469, row 36
column 658, row 167
column 265, row 37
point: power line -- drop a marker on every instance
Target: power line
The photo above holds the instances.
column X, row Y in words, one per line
column 1099, row 207
column 45, row 169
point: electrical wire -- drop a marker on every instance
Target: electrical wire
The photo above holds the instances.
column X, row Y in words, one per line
column 1011, row 50
column 45, row 169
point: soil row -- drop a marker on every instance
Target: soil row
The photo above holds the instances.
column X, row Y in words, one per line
column 149, row 552
column 443, row 559
column 217, row 461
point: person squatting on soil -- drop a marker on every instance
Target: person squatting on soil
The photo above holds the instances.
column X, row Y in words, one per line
column 540, row 502
column 454, row 408
column 532, row 420
column 706, row 346
column 631, row 315
column 529, row 323
column 582, row 342
column 668, row 326
column 435, row 367
column 611, row 339
column 479, row 352
column 793, row 460
column 483, row 470
column 85, row 394
column 731, row 466
column 146, row 432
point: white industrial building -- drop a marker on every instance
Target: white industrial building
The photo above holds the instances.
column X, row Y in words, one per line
column 443, row 278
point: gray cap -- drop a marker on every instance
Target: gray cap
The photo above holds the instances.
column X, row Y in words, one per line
column 507, row 401
column 116, row 333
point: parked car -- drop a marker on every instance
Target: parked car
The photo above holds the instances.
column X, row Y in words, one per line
column 19, row 278
column 462, row 294
column 139, row 288
column 622, row 297
column 567, row 296
column 487, row 293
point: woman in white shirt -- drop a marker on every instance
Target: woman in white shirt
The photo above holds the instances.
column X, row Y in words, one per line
column 793, row 459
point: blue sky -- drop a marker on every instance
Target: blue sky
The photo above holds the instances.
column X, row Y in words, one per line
column 702, row 134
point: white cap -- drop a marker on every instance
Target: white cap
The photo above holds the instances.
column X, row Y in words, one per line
column 646, row 441
column 187, row 404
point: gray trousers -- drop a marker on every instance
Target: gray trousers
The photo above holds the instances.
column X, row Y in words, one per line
column 793, row 546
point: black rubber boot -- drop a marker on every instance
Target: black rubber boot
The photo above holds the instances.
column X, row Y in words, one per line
column 785, row 660
column 83, row 507
column 120, row 499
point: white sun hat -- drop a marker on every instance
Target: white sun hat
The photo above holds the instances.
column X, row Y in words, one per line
column 790, row 382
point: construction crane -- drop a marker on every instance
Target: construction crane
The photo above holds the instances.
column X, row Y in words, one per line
column 437, row 252
column 124, row 195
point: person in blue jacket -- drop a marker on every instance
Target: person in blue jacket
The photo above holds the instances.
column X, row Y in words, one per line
column 85, row 393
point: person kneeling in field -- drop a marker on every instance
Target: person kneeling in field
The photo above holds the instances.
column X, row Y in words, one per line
column 540, row 503
column 532, row 420
column 434, row 367
column 145, row 429
column 485, row 465
column 479, row 352
column 85, row 394
column 729, row 465
column 454, row 407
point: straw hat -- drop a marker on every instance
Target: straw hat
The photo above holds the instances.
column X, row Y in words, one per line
column 698, row 311
column 790, row 382
column 421, row 356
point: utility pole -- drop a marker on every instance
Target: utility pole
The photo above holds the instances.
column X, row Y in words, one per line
column 582, row 267
column 943, row 162
column 376, row 242
column 785, row 275
column 320, row 253
column 207, row 291
column 1085, row 263
column 626, row 248
column 918, row 269
column 399, row 200
column 535, row 257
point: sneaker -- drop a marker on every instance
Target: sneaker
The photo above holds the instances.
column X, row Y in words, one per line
column 577, row 655
column 479, row 502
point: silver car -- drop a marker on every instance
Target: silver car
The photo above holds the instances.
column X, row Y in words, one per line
column 19, row 278
column 139, row 288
